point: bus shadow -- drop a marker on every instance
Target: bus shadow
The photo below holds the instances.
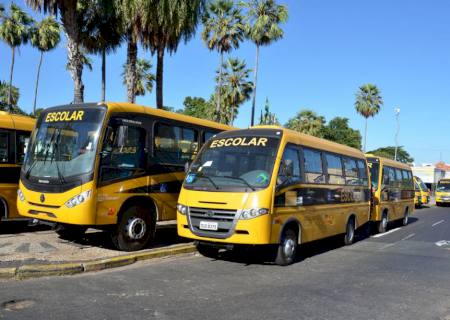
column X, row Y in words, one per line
column 17, row 227
column 102, row 239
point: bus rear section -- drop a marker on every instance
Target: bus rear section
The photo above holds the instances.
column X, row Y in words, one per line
column 272, row 186
column 111, row 166
column 393, row 192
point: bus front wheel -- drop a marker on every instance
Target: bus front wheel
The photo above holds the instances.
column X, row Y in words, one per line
column 135, row 229
column 383, row 223
column 287, row 248
column 349, row 232
column 69, row 232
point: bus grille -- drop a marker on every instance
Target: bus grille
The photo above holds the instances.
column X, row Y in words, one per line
column 225, row 219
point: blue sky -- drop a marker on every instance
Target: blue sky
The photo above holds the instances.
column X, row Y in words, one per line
column 329, row 49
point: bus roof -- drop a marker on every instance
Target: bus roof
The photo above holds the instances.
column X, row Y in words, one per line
column 444, row 180
column 390, row 162
column 16, row 122
column 313, row 142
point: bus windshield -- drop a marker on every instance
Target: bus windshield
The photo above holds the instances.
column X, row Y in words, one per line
column 443, row 186
column 374, row 173
column 238, row 163
column 64, row 144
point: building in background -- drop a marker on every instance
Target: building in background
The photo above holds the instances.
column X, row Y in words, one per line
column 431, row 174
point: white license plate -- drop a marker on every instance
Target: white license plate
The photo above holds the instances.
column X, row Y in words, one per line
column 208, row 225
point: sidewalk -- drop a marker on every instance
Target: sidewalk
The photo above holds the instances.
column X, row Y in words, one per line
column 25, row 248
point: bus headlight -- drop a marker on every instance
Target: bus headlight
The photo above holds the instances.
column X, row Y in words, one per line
column 182, row 209
column 78, row 199
column 20, row 195
column 246, row 214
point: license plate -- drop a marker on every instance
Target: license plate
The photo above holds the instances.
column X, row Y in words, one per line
column 207, row 225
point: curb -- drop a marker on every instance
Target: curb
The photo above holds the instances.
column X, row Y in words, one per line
column 35, row 271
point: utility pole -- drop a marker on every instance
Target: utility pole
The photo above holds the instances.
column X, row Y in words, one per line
column 397, row 113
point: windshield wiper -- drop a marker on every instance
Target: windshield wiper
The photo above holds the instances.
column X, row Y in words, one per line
column 201, row 175
column 240, row 179
column 56, row 148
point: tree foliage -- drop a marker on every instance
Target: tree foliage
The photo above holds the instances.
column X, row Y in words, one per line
column 144, row 77
column 199, row 108
column 4, row 92
column 308, row 122
column 338, row 130
column 268, row 118
column 389, row 152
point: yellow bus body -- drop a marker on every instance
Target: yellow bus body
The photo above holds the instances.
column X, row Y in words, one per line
column 443, row 192
column 288, row 206
column 15, row 131
column 154, row 187
column 395, row 200
column 423, row 193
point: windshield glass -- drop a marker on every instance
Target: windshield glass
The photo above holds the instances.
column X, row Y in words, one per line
column 423, row 187
column 64, row 144
column 443, row 186
column 374, row 174
column 243, row 163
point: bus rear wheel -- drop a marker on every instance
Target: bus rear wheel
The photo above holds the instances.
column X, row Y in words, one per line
column 135, row 229
column 287, row 249
column 405, row 219
column 383, row 223
column 70, row 232
column 349, row 232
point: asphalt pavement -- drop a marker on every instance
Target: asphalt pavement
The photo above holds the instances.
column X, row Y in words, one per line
column 403, row 274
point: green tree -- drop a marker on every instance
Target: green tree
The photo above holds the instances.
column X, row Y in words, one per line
column 4, row 96
column 268, row 118
column 14, row 31
column 45, row 36
column 70, row 19
column 308, row 122
column 389, row 152
column 144, row 78
column 263, row 28
column 167, row 23
column 223, row 31
column 368, row 103
column 338, row 130
column 199, row 108
column 236, row 87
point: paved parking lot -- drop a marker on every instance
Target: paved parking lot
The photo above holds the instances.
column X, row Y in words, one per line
column 21, row 244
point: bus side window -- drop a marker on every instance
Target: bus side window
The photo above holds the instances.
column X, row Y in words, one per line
column 362, row 172
column 22, row 139
column 313, row 166
column 289, row 172
column 208, row 135
column 4, row 136
column 351, row 172
column 334, row 169
column 175, row 145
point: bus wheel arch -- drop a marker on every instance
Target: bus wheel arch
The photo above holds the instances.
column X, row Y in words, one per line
column 383, row 223
column 4, row 209
column 136, row 224
column 290, row 237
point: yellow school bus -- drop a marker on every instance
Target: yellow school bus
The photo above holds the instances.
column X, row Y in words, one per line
column 393, row 191
column 112, row 166
column 417, row 195
column 424, row 192
column 270, row 185
column 14, row 135
column 443, row 192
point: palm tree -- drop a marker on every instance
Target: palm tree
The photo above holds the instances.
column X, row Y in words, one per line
column 144, row 78
column 268, row 118
column 71, row 17
column 101, row 31
column 223, row 31
column 262, row 28
column 45, row 36
column 307, row 121
column 167, row 22
column 236, row 87
column 14, row 31
column 368, row 103
column 4, row 96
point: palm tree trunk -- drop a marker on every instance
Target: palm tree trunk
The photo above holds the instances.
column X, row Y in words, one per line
column 70, row 22
column 103, row 74
column 131, row 68
column 365, row 137
column 159, row 76
column 37, row 83
column 10, row 80
column 219, row 89
column 254, row 86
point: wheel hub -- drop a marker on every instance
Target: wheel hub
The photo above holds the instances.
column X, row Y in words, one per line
column 289, row 247
column 136, row 228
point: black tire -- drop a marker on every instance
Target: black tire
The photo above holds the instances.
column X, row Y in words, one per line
column 287, row 249
column 438, row 204
column 383, row 223
column 70, row 232
column 135, row 230
column 207, row 250
column 349, row 236
column 405, row 219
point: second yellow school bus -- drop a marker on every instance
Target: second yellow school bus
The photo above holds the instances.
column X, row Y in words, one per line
column 113, row 166
column 15, row 132
column 269, row 185
column 393, row 191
